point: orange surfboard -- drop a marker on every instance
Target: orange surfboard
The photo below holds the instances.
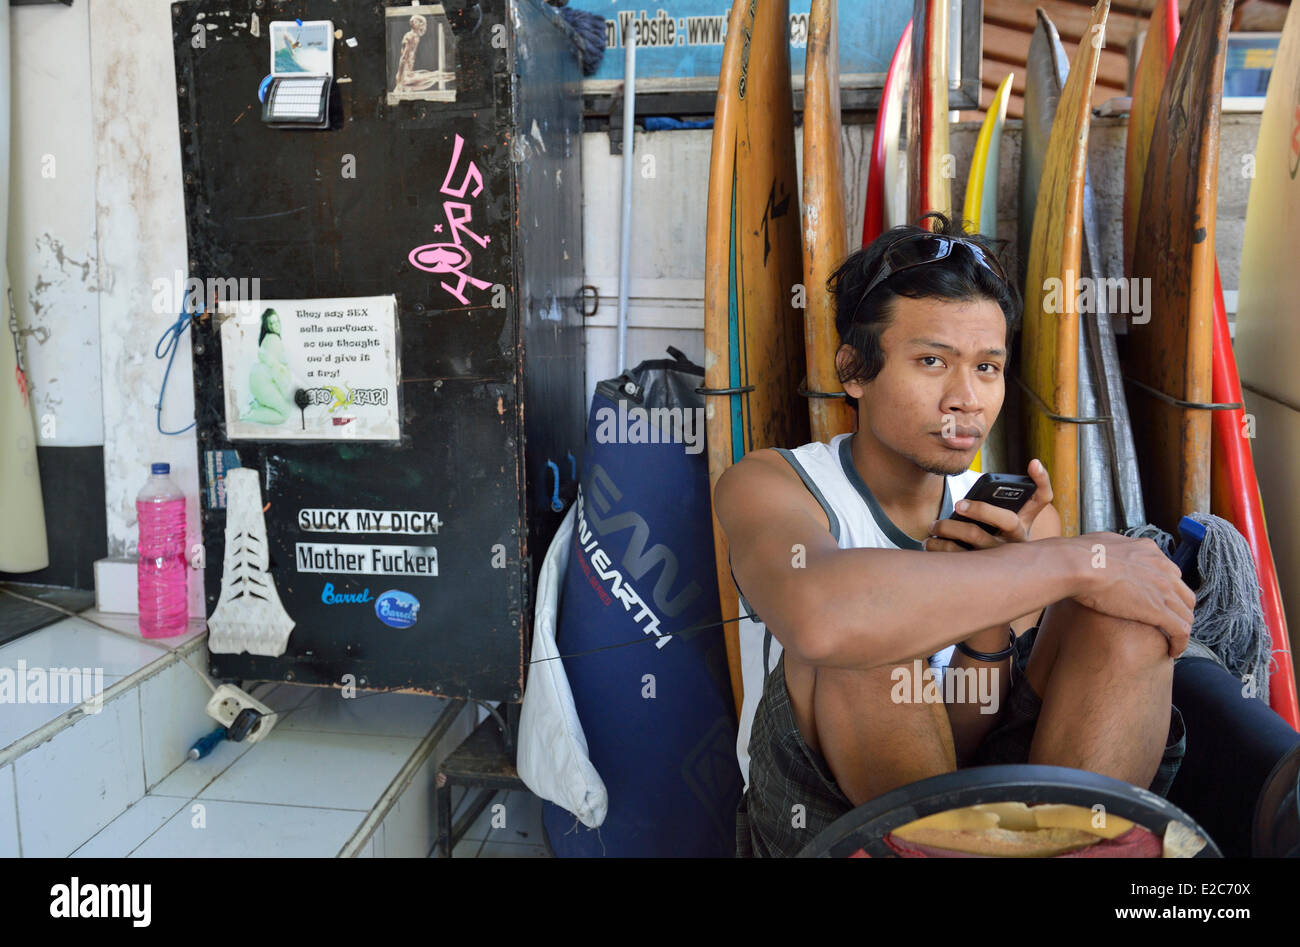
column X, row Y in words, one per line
column 753, row 333
column 824, row 237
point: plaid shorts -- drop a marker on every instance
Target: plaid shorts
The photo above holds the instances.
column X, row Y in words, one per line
column 1009, row 741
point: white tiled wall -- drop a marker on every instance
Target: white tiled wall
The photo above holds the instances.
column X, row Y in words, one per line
column 8, row 814
column 76, row 783
column 172, row 717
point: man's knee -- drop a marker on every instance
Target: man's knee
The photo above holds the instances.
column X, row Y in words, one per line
column 1117, row 644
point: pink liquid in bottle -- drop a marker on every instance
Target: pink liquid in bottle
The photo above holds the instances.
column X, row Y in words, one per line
column 161, row 570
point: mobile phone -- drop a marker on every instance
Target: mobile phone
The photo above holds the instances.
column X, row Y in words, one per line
column 1009, row 491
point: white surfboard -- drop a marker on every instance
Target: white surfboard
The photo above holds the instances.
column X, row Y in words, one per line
column 22, row 515
column 1268, row 310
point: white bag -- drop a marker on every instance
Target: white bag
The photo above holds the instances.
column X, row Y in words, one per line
column 552, row 758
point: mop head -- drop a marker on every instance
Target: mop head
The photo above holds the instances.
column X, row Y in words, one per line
column 1228, row 619
column 589, row 37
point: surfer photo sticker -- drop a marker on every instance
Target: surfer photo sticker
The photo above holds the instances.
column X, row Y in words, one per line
column 421, row 54
column 310, row 369
column 302, row 48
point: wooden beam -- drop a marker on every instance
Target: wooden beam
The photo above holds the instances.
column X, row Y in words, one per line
column 1011, row 46
column 1071, row 19
column 1259, row 16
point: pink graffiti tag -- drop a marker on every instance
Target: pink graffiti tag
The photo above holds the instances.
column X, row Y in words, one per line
column 453, row 257
column 471, row 173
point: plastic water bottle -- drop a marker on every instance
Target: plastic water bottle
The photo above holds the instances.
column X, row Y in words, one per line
column 161, row 567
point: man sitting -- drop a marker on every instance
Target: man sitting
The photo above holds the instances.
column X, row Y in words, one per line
column 829, row 548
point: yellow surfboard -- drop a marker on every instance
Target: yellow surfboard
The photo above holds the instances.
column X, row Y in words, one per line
column 1050, row 338
column 979, row 209
column 980, row 214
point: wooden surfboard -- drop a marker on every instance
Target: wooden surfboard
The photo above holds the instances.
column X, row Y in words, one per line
column 1050, row 338
column 928, row 188
column 980, row 214
column 1107, row 471
column 824, row 238
column 1103, row 471
column 23, row 546
column 1234, row 489
column 753, row 334
column 1268, row 316
column 1148, row 82
column 886, row 200
column 1169, row 355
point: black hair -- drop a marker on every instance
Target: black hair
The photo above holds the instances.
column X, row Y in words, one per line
column 959, row 277
column 266, row 329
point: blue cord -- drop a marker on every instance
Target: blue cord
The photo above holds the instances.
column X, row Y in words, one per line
column 166, row 348
column 556, row 503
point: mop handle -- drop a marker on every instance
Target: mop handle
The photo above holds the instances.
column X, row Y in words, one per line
column 1191, row 533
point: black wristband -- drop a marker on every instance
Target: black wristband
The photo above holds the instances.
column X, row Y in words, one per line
column 990, row 657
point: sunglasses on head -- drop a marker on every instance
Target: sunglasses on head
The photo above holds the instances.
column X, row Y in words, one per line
column 918, row 249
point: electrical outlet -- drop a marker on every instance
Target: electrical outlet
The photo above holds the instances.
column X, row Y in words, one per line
column 226, row 704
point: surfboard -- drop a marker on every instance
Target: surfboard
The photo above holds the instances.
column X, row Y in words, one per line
column 1168, row 358
column 886, row 199
column 1234, row 489
column 1268, row 312
column 1110, row 492
column 979, row 207
column 928, row 187
column 980, row 214
column 1050, row 338
column 1096, row 484
column 824, row 238
column 753, row 334
column 1148, row 82
column 23, row 546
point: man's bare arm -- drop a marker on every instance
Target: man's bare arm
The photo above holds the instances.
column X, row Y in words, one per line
column 864, row 608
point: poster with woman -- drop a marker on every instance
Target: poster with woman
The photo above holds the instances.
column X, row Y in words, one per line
column 310, row 369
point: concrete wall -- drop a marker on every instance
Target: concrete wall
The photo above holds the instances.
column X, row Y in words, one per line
column 140, row 213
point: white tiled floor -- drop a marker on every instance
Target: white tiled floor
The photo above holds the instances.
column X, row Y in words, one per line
column 517, row 835
column 128, row 830
column 312, row 769
column 221, row 829
column 301, row 792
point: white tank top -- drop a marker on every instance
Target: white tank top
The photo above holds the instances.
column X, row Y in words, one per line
column 856, row 522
